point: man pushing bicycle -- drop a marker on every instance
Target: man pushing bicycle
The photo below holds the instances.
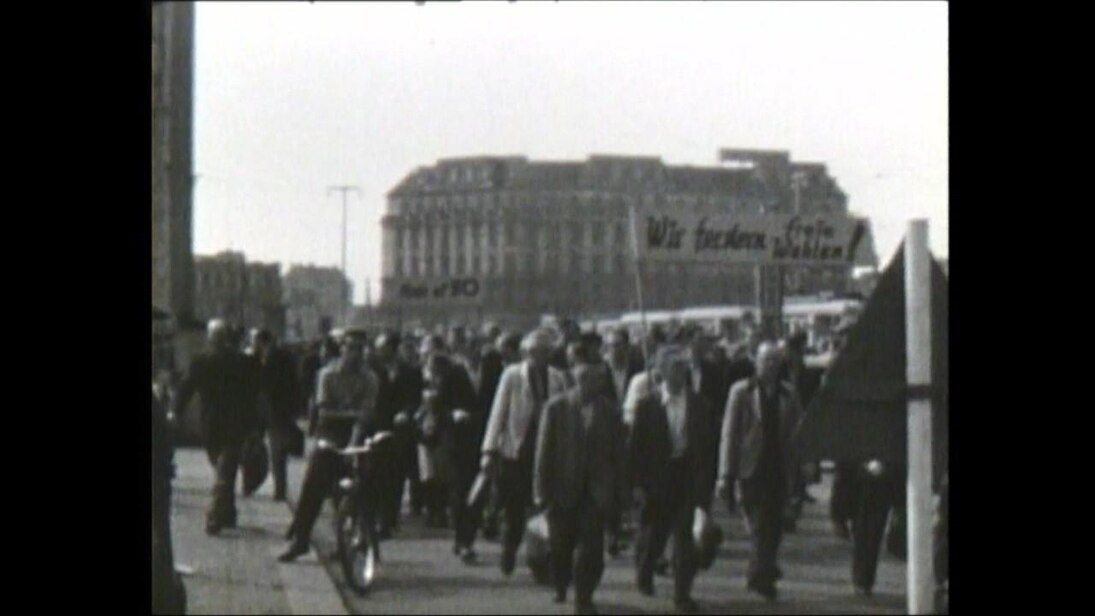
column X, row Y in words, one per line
column 347, row 400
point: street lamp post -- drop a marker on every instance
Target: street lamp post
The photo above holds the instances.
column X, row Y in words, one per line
column 343, row 188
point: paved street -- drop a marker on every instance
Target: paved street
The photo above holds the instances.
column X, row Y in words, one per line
column 238, row 573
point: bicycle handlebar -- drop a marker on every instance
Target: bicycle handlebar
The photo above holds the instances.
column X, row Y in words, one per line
column 367, row 447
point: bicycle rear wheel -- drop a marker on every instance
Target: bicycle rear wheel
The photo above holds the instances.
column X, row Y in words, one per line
column 357, row 548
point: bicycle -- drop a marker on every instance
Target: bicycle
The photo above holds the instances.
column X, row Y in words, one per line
column 358, row 541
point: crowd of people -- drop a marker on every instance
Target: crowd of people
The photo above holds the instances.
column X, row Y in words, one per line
column 605, row 436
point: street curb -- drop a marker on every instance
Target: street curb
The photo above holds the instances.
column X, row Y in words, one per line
column 329, row 567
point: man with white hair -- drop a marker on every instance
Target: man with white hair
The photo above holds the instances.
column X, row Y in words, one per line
column 510, row 440
column 227, row 382
column 762, row 416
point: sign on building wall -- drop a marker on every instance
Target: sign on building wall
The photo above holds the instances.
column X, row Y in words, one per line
column 789, row 239
column 447, row 291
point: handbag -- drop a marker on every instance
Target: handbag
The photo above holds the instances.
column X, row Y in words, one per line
column 707, row 536
column 538, row 548
column 255, row 461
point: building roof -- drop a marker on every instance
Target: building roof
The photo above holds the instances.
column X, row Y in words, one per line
column 597, row 171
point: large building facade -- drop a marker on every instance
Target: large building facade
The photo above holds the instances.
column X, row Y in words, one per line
column 246, row 294
column 315, row 298
column 172, row 179
column 553, row 237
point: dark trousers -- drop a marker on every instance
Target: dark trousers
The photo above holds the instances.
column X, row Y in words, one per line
column 515, row 494
column 843, row 497
column 577, row 549
column 225, row 458
column 417, row 496
column 320, row 480
column 672, row 515
column 763, row 501
column 279, row 461
column 875, row 497
column 391, row 475
column 465, row 519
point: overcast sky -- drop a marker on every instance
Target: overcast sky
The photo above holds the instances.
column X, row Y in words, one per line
column 293, row 97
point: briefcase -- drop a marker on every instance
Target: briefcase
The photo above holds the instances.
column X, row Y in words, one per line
column 255, row 462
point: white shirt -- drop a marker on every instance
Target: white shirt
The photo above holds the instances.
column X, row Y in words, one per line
column 619, row 379
column 675, row 413
column 639, row 386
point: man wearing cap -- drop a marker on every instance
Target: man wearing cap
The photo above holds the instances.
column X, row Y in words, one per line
column 346, row 402
column 670, row 445
column 510, row 439
column 579, row 480
column 761, row 419
column 227, row 382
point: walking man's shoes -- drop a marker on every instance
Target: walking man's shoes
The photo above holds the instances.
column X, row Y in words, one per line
column 646, row 587
column 468, row 556
column 687, row 606
column 862, row 591
column 295, row 551
column 584, row 607
column 768, row 590
column 212, row 528
column 560, row 596
column 508, row 563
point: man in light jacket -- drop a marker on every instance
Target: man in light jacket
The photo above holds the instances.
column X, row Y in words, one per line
column 510, row 439
column 762, row 416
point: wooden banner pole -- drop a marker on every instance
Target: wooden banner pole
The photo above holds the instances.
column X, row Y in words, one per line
column 633, row 220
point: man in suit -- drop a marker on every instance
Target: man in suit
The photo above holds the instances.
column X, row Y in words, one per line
column 621, row 365
column 761, row 418
column 707, row 381
column 510, row 439
column 670, row 447
column 620, row 370
column 283, row 394
column 227, row 382
column 399, row 394
column 579, row 480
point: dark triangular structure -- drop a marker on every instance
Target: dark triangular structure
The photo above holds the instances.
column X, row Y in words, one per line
column 860, row 411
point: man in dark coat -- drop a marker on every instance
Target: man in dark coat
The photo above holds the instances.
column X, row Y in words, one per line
column 707, row 381
column 670, row 452
column 459, row 426
column 399, row 394
column 228, row 383
column 578, row 479
column 283, row 395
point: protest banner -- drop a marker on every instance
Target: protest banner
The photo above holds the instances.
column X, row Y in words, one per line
column 774, row 239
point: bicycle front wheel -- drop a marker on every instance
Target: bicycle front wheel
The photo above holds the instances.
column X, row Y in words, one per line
column 357, row 549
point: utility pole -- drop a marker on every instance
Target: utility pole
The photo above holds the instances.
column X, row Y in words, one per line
column 344, row 188
column 918, row 326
